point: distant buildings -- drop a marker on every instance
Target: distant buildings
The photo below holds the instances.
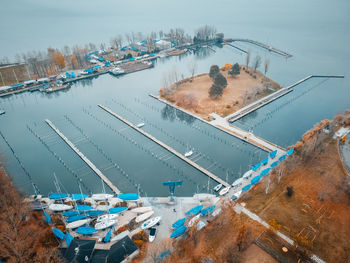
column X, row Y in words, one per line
column 13, row 73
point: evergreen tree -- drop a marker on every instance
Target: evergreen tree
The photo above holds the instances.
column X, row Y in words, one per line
column 215, row 91
column 235, row 71
column 220, row 80
column 214, row 69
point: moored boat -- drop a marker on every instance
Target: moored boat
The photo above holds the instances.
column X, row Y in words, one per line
column 151, row 222
column 224, row 191
column 217, row 188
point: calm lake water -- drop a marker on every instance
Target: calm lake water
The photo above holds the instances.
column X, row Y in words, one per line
column 316, row 33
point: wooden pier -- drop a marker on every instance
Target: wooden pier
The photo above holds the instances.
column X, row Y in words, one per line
column 168, row 148
column 269, row 48
column 272, row 97
column 242, row 50
column 84, row 158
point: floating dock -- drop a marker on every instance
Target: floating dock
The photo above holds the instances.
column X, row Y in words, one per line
column 168, row 148
column 84, row 158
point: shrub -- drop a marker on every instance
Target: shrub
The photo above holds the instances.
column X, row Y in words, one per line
column 290, row 191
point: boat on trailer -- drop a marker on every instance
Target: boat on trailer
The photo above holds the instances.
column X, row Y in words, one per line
column 151, row 222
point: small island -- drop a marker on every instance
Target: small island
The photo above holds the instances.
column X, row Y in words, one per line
column 223, row 90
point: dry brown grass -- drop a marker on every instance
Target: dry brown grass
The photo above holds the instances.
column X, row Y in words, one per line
column 193, row 94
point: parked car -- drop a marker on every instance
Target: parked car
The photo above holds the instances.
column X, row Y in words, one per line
column 152, row 234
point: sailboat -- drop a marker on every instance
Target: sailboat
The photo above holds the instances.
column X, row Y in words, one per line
column 102, row 196
column 58, row 207
column 224, row 191
column 188, row 152
column 105, row 224
column 107, row 217
column 217, row 188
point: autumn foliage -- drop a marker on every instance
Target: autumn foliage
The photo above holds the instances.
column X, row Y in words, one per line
column 24, row 236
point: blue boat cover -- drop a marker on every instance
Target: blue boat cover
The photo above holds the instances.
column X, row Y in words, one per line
column 131, row 59
column 17, row 85
column 124, row 48
column 179, row 223
column 94, row 212
column 101, row 59
column 207, row 210
column 108, row 236
column 265, row 161
column 69, row 239
column 78, row 196
column 246, row 188
column 274, row 164
column 256, row 167
column 178, row 231
column 290, row 151
column 73, row 75
column 152, row 54
column 58, row 196
column 58, row 233
column 282, row 158
column 255, row 179
column 129, row 196
column 265, row 171
column 47, row 217
column 85, row 230
column 97, row 66
column 83, row 207
column 195, row 210
column 116, row 210
column 75, row 218
column 273, row 154
column 70, row 213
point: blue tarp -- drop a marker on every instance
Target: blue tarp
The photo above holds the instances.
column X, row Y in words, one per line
column 85, row 230
column 124, row 48
column 47, row 217
column 101, row 59
column 290, row 151
column 78, row 196
column 129, row 196
column 58, row 233
column 255, row 179
column 46, row 86
column 75, row 218
column 108, row 236
column 107, row 64
column 88, row 70
column 179, row 223
column 17, row 85
column 265, row 171
column 68, row 75
column 195, row 210
column 256, row 167
column 70, row 213
column 273, row 154
column 117, row 210
column 152, row 54
column 69, row 239
column 178, row 231
column 131, row 59
column 83, row 207
column 56, row 196
column 246, row 188
column 94, row 213
column 274, row 164
column 143, row 52
column 134, row 49
column 265, row 161
column 92, row 53
column 282, row 158
column 73, row 75
column 207, row 210
column 97, row 66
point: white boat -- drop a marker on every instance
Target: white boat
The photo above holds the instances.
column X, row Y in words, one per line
column 101, row 197
column 216, row 212
column 143, row 209
column 152, row 234
column 224, row 191
column 193, row 220
column 238, row 194
column 107, row 217
column 189, row 153
column 59, row 207
column 117, row 71
column 217, row 188
column 77, row 224
column 200, row 225
column 2, row 112
column 151, row 222
column 140, row 125
column 105, row 224
column 102, row 207
column 144, row 216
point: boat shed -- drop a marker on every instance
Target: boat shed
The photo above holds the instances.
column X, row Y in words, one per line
column 122, row 251
column 80, row 250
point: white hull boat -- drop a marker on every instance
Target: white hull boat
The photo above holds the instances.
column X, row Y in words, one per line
column 193, row 220
column 143, row 217
column 59, row 207
column 107, row 217
column 189, row 153
column 224, row 191
column 151, row 222
column 217, row 188
column 143, row 209
column 101, row 197
column 105, row 224
column 140, row 125
column 77, row 224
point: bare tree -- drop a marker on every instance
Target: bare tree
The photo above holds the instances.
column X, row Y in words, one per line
column 257, row 62
column 247, row 58
column 192, row 68
column 266, row 65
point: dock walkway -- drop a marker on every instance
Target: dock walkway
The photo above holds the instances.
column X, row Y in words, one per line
column 84, row 158
column 270, row 98
column 168, row 148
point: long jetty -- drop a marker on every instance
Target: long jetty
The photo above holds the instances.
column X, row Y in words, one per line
column 84, row 158
column 269, row 48
column 270, row 98
column 168, row 148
